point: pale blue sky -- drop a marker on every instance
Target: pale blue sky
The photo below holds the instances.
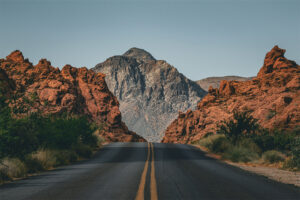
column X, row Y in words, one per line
column 201, row 38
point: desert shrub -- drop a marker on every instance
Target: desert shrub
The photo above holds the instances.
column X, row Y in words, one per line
column 64, row 157
column 220, row 145
column 46, row 158
column 83, row 150
column 280, row 140
column 242, row 124
column 249, row 144
column 33, row 164
column 240, row 154
column 208, row 140
column 13, row 168
column 273, row 156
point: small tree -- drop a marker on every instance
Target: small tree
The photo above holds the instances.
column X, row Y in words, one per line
column 242, row 124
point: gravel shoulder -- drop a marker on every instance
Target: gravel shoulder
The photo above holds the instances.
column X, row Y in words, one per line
column 271, row 172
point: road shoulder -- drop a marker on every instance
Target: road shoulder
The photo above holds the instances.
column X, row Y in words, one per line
column 283, row 176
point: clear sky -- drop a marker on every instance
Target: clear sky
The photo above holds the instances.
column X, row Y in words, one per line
column 200, row 38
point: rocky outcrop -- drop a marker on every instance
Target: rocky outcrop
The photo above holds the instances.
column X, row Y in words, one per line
column 76, row 91
column 150, row 91
column 6, row 85
column 273, row 97
column 215, row 81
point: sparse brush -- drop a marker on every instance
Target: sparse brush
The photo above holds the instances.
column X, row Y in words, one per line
column 240, row 154
column 273, row 156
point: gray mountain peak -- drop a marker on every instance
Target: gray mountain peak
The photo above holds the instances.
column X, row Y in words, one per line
column 139, row 54
column 150, row 92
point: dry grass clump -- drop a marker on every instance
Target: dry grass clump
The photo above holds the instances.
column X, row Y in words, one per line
column 12, row 168
column 47, row 158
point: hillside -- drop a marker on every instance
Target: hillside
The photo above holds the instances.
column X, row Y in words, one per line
column 215, row 81
column 75, row 91
column 272, row 97
column 150, row 91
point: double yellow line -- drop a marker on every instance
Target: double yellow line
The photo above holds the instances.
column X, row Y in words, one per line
column 153, row 189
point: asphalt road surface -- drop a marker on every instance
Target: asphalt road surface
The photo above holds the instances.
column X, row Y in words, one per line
column 147, row 171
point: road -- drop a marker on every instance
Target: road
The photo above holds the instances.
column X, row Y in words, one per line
column 147, row 171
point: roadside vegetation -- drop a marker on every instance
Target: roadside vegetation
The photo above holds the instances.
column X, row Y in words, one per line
column 242, row 139
column 36, row 143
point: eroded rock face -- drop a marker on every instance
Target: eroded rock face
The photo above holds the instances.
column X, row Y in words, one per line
column 77, row 91
column 273, row 97
column 150, row 92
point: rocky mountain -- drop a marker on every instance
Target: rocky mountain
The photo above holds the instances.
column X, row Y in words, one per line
column 272, row 97
column 150, row 91
column 215, row 81
column 76, row 91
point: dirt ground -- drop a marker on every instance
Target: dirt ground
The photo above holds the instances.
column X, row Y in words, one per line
column 273, row 173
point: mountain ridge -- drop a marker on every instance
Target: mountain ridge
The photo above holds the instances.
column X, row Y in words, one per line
column 272, row 97
column 150, row 91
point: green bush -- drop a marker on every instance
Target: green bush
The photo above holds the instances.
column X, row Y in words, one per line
column 240, row 154
column 248, row 143
column 220, row 145
column 273, row 156
column 208, row 140
column 35, row 143
column 242, row 124
column 23, row 136
column 280, row 140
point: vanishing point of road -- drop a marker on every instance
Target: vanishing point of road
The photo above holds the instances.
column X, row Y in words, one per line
column 151, row 171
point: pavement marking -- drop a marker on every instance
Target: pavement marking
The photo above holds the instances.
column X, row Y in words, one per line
column 153, row 187
column 140, row 192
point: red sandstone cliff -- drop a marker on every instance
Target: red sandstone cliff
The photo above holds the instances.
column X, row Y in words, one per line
column 273, row 97
column 77, row 91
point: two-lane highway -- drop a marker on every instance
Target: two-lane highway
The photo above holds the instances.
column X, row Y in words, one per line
column 147, row 171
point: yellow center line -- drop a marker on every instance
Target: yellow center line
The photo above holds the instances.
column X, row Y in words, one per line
column 140, row 192
column 153, row 188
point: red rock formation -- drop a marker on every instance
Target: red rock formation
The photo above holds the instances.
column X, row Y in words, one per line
column 273, row 97
column 77, row 91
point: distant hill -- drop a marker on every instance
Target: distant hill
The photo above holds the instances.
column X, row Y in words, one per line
column 215, row 81
column 150, row 91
